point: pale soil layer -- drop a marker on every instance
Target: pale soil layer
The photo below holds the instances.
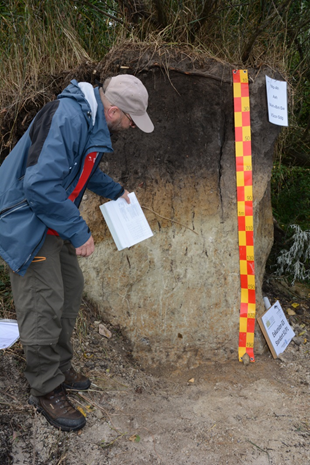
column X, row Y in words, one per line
column 219, row 413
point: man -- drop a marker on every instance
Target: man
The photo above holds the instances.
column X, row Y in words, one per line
column 42, row 182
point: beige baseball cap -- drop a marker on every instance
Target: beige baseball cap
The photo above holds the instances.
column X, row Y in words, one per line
column 129, row 94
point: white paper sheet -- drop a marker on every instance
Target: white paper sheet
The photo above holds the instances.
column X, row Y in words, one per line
column 9, row 333
column 277, row 101
column 127, row 222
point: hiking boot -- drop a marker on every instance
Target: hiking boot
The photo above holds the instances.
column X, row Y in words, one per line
column 76, row 381
column 58, row 410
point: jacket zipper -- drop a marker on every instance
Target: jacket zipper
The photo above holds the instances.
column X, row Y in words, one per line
column 13, row 206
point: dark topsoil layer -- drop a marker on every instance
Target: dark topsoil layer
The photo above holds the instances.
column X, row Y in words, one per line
column 17, row 111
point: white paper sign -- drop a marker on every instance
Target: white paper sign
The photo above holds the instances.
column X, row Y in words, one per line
column 277, row 327
column 277, row 101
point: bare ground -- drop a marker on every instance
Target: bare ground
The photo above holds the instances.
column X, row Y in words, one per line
column 219, row 413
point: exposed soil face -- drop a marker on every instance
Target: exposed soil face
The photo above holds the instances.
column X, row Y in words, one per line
column 214, row 414
column 218, row 413
column 183, row 282
column 184, row 173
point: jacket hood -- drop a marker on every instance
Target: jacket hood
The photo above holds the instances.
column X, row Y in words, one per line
column 92, row 107
column 74, row 91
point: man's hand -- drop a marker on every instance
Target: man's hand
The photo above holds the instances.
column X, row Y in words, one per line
column 86, row 249
column 125, row 196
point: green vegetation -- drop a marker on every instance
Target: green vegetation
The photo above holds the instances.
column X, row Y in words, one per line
column 46, row 37
column 291, row 195
column 290, row 186
column 295, row 261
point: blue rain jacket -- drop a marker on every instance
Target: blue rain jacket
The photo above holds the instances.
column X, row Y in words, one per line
column 43, row 169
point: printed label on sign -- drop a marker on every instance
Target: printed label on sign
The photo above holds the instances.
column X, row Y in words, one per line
column 277, row 328
column 277, row 101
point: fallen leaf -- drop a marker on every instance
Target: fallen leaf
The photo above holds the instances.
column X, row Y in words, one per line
column 295, row 305
column 134, row 438
column 290, row 311
column 305, row 340
column 103, row 331
column 81, row 410
column 192, row 380
column 302, row 333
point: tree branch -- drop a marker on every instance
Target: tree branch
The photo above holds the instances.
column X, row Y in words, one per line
column 207, row 13
column 160, row 13
column 134, row 10
column 249, row 46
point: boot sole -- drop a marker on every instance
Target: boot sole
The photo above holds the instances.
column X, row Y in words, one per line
column 54, row 422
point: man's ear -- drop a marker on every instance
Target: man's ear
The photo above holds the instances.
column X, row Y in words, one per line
column 113, row 112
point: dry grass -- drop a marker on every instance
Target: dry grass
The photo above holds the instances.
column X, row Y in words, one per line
column 44, row 40
column 7, row 309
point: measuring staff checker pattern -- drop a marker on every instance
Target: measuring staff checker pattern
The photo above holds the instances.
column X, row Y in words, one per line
column 243, row 151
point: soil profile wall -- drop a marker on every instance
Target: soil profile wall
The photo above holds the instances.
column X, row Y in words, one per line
column 176, row 296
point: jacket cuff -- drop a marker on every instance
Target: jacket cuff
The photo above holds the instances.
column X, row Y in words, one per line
column 79, row 239
column 119, row 194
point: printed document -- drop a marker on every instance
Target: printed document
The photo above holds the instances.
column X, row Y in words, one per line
column 126, row 222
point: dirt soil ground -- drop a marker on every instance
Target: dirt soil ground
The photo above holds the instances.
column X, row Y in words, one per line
column 221, row 413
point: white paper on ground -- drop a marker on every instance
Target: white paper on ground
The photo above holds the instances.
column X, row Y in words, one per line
column 9, row 333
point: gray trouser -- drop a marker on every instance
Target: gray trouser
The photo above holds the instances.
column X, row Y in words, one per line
column 47, row 301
